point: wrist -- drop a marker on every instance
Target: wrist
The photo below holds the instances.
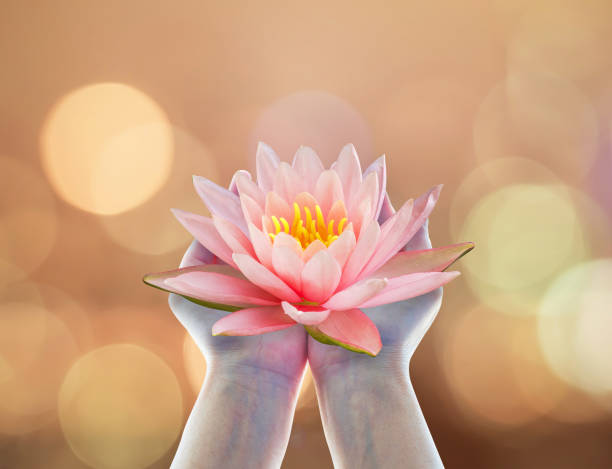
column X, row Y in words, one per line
column 252, row 378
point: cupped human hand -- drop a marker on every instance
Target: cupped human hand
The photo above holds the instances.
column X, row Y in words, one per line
column 282, row 352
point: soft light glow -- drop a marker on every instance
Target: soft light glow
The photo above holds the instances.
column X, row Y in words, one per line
column 575, row 326
column 525, row 233
column 120, row 406
column 314, row 118
column 163, row 233
column 107, row 148
column 36, row 349
column 478, row 362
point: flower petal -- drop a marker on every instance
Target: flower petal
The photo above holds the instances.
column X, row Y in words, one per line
column 350, row 329
column 366, row 244
column 203, row 229
column 241, row 173
column 277, row 206
column 426, row 260
column 386, row 210
column 216, row 286
column 253, row 321
column 312, row 249
column 408, row 286
column 320, row 277
column 328, row 189
column 308, row 165
column 232, row 236
column 266, row 163
column 287, row 182
column 246, row 186
column 251, row 209
column 379, row 167
column 361, row 208
column 288, row 265
column 349, row 170
column 356, row 295
column 220, row 201
column 305, row 314
column 342, row 247
column 264, row 278
column 402, row 229
column 262, row 245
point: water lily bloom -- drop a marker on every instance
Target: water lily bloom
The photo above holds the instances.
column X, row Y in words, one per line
column 308, row 245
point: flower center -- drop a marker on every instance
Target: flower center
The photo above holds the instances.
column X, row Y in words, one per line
column 308, row 229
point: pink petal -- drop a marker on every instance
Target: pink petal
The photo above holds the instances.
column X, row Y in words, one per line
column 211, row 283
column 306, row 199
column 277, row 206
column 356, row 295
column 395, row 233
column 203, row 229
column 366, row 244
column 251, row 209
column 232, row 236
column 266, row 163
column 328, row 189
column 285, row 240
column 241, row 173
column 386, row 210
column 320, row 277
column 262, row 245
column 264, row 278
column 349, row 170
column 361, row 207
column 353, row 330
column 308, row 165
column 220, row 201
column 337, row 212
column 309, row 315
column 379, row 167
column 403, row 229
column 247, row 187
column 197, row 254
column 409, row 286
column 253, row 321
column 288, row 265
column 287, row 182
column 426, row 260
column 342, row 247
column 312, row 249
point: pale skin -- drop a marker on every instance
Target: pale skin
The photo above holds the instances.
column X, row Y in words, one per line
column 244, row 412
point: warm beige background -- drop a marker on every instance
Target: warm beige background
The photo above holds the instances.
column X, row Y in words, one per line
column 107, row 108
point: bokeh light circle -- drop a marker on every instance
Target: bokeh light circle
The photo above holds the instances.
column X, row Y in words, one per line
column 478, row 363
column 36, row 350
column 195, row 363
column 575, row 326
column 150, row 228
column 318, row 119
column 106, row 148
column 525, row 234
column 120, row 406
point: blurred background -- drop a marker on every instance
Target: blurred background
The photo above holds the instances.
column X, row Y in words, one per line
column 108, row 108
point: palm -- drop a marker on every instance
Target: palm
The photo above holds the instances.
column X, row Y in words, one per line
column 281, row 351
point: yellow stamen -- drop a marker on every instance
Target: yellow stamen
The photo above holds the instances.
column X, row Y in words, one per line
column 305, row 231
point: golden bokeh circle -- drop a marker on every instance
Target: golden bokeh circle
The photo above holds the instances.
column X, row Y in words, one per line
column 150, row 228
column 195, row 363
column 525, row 233
column 106, row 148
column 36, row 350
column 120, row 406
column 575, row 326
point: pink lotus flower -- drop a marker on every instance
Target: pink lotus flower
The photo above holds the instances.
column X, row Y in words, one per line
column 306, row 245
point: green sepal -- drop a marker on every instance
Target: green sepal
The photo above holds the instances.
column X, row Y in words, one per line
column 319, row 336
